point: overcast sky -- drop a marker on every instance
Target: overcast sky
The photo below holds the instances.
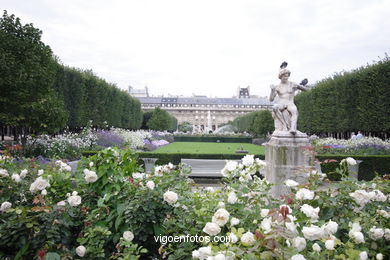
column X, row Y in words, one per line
column 210, row 47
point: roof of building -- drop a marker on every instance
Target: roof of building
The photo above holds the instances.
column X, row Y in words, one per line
column 204, row 100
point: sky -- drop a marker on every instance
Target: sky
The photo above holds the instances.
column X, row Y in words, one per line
column 209, row 47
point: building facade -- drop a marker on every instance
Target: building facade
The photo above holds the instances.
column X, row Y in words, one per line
column 198, row 110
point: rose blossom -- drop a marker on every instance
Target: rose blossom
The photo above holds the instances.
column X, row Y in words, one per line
column 204, row 252
column 376, row 233
column 16, row 177
column 232, row 198
column 379, row 256
column 304, row 194
column 316, row 247
column 363, row 255
column 248, row 239
column 5, row 205
column 248, row 160
column 150, row 185
column 39, row 184
column 331, row 227
column 170, row 197
column 329, row 244
column 350, row 161
column 4, row 173
column 234, row 221
column 299, row 243
column 80, row 251
column 310, row 212
column 233, row 238
column 221, row 217
column 128, row 236
column 74, row 200
column 212, row 228
column 313, row 232
column 298, row 257
column 90, row 176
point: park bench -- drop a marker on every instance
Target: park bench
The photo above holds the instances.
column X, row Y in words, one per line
column 205, row 168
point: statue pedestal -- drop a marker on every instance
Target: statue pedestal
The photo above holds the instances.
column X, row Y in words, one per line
column 288, row 157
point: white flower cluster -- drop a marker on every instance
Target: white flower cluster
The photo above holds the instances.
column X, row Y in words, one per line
column 5, row 206
column 74, row 199
column 170, row 197
column 244, row 170
column 362, row 197
column 63, row 166
column 90, row 176
column 39, row 184
column 161, row 169
column 134, row 139
column 354, row 144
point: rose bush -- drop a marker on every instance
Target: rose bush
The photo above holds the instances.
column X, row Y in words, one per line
column 110, row 209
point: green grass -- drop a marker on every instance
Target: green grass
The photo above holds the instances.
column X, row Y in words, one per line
column 209, row 148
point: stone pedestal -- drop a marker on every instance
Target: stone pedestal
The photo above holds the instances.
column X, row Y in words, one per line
column 288, row 157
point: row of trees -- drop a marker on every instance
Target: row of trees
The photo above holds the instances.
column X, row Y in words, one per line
column 40, row 95
column 88, row 97
column 349, row 101
column 258, row 123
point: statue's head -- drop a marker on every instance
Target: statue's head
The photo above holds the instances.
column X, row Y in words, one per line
column 284, row 72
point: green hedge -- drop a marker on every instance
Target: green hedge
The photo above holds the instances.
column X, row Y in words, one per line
column 368, row 168
column 213, row 139
column 175, row 158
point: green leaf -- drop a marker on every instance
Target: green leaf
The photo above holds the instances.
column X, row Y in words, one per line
column 52, row 256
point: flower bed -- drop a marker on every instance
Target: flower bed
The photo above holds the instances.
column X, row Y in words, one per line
column 363, row 146
column 110, row 209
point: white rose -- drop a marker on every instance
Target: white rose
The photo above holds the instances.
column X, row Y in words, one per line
column 204, row 252
column 16, row 177
column 387, row 234
column 329, row 244
column 350, row 161
column 170, row 197
column 231, row 165
column 219, row 256
column 379, row 196
column 221, row 217
column 248, row 160
column 383, row 213
column 310, row 212
column 291, row 183
column 299, row 243
column 40, row 172
column 5, row 205
column 266, row 224
column 232, row 198
column 233, row 238
column 150, row 185
column 80, row 251
column 248, row 239
column 379, row 256
column 292, row 227
column 24, row 172
column 90, row 176
column 298, row 257
column 195, row 254
column 74, row 200
column 39, row 184
column 234, row 221
column 304, row 194
column 316, row 247
column 138, row 175
column 331, row 227
column 44, row 192
column 376, row 233
column 363, row 255
column 90, row 164
column 264, row 212
column 313, row 232
column 357, row 236
column 361, row 197
column 61, row 203
column 212, row 229
column 128, row 236
column 4, row 173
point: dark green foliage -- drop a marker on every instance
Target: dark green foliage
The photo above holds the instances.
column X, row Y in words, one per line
column 161, row 120
column 368, row 168
column 258, row 123
column 88, row 97
column 27, row 74
column 213, row 139
column 185, row 127
column 348, row 101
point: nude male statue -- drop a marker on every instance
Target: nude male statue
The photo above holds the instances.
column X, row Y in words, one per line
column 285, row 112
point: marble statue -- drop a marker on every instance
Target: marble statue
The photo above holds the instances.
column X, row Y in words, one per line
column 285, row 112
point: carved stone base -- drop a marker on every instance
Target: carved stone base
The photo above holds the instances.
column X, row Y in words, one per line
column 288, row 157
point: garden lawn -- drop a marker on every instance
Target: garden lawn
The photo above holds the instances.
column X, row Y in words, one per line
column 210, row 148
